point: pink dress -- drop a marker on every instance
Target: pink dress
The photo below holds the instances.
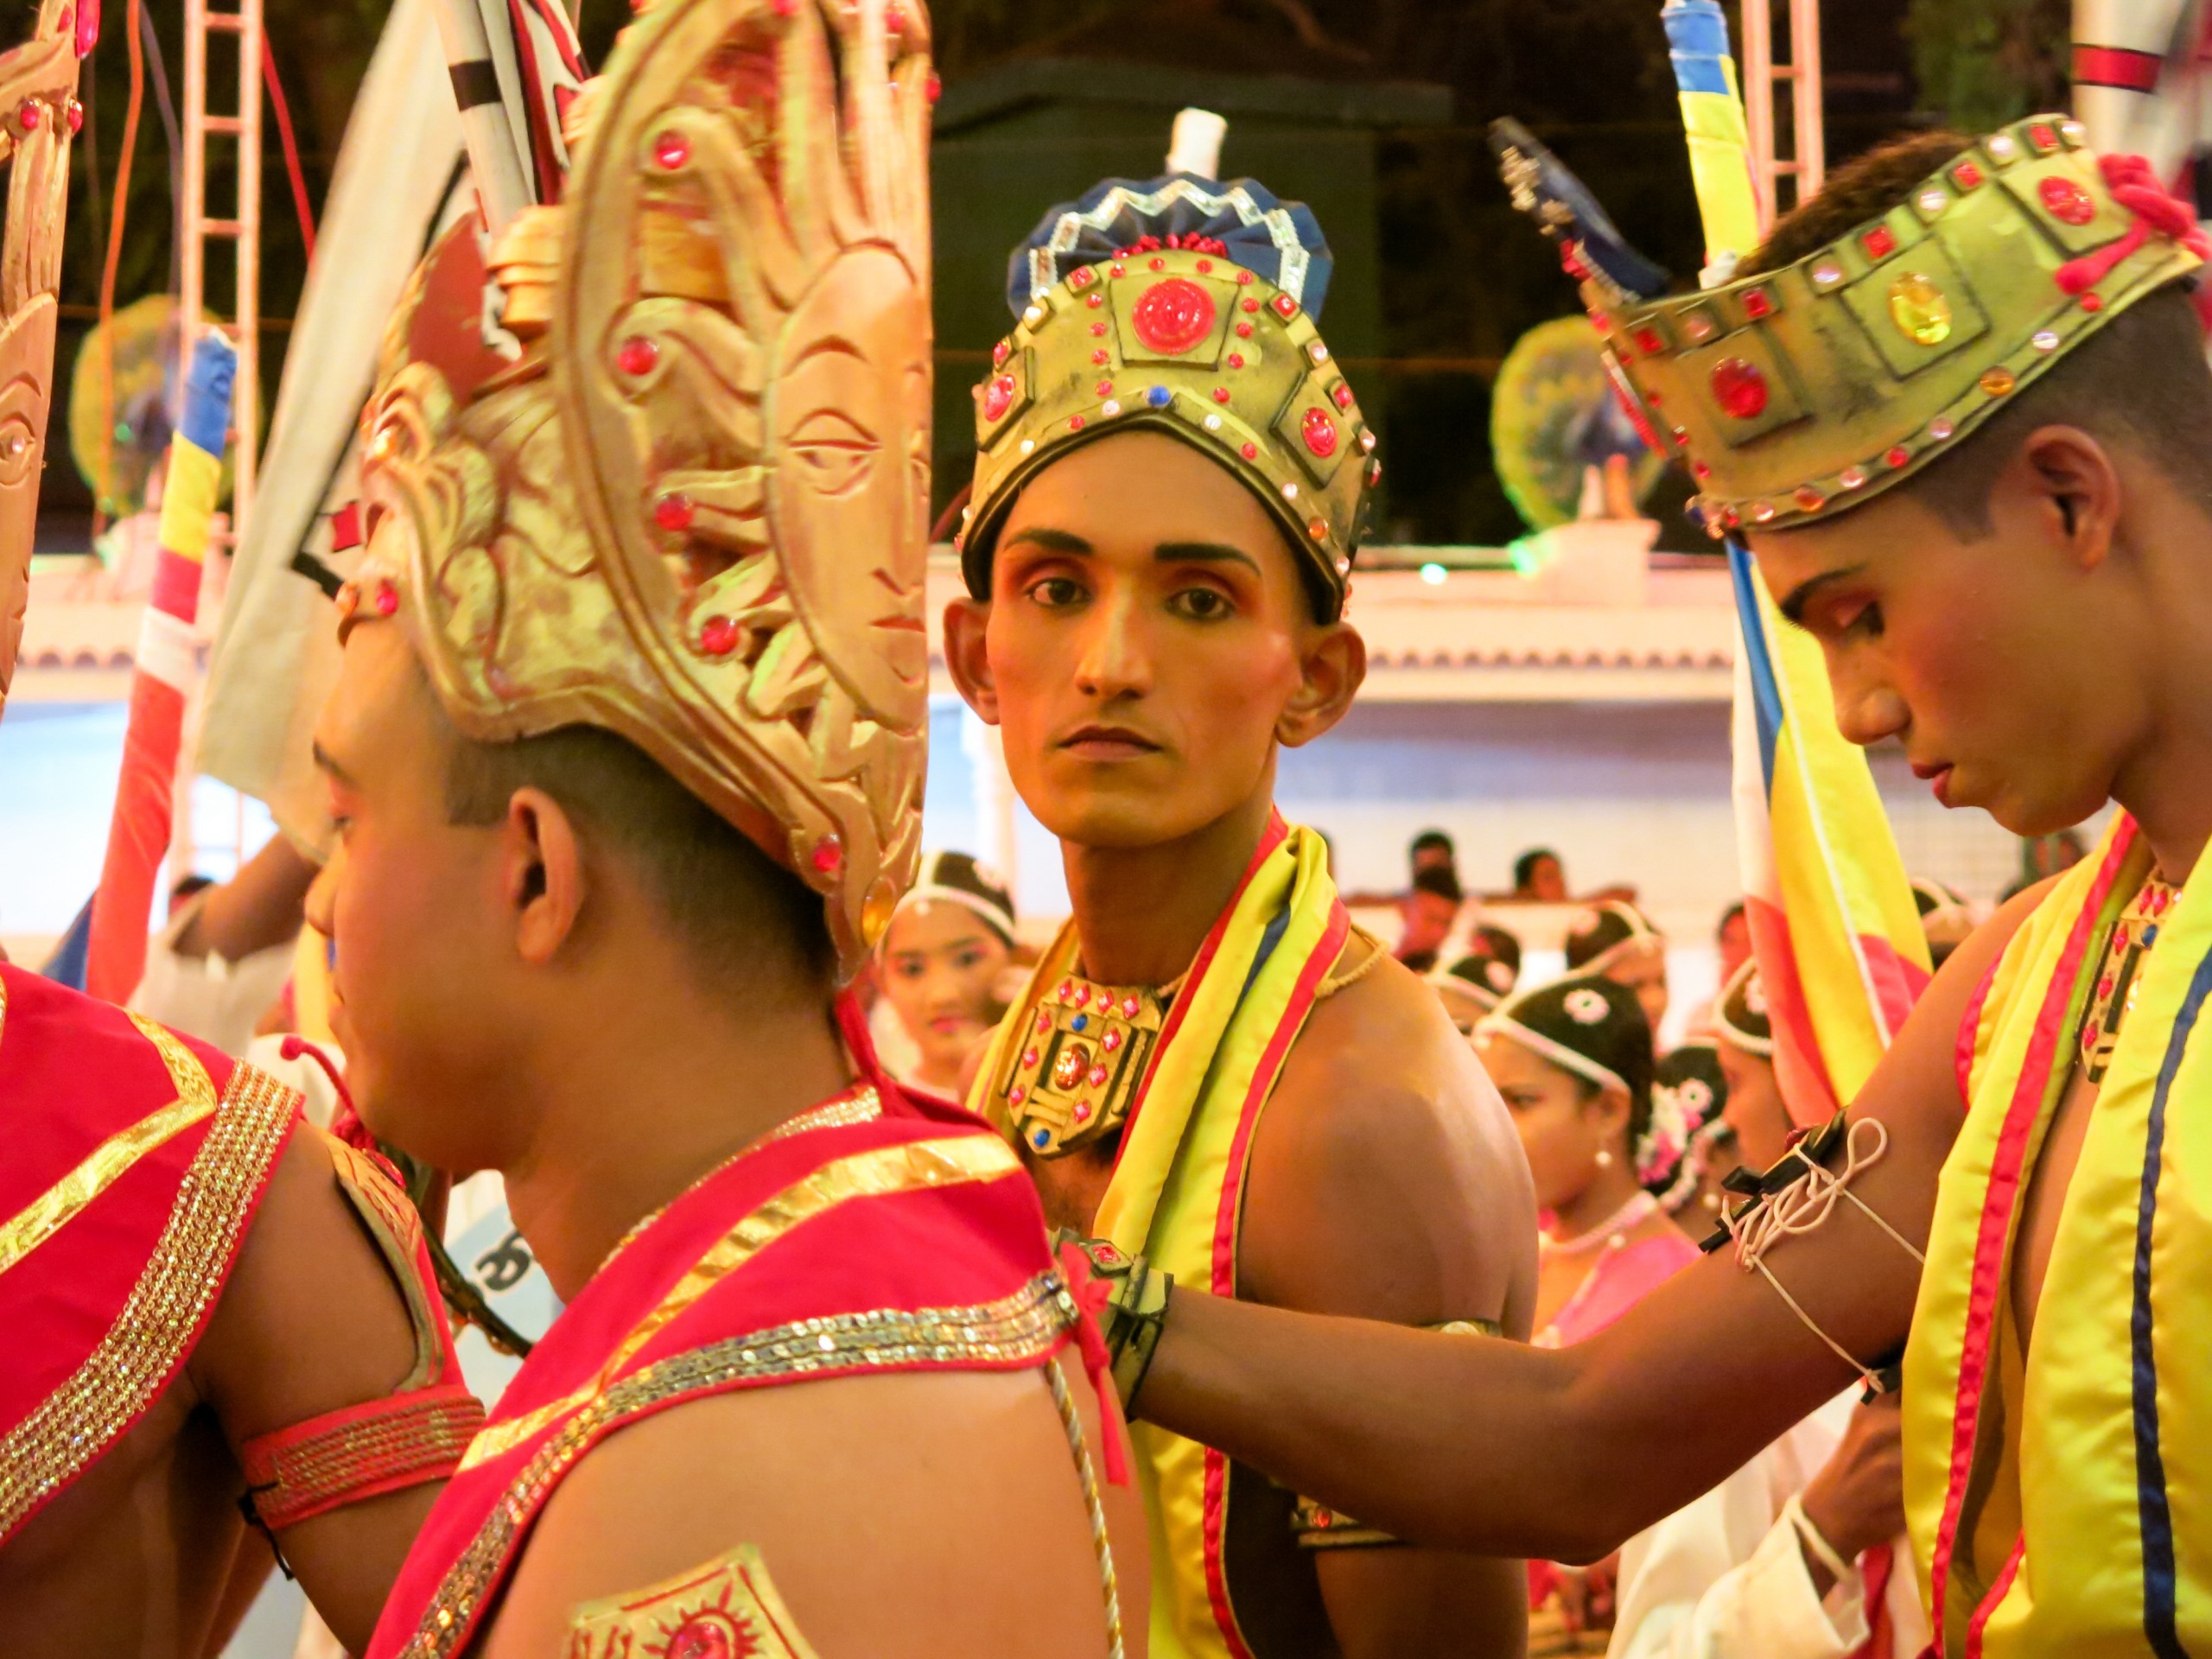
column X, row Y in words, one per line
column 1620, row 1280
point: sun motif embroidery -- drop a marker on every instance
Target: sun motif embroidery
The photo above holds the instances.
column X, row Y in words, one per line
column 725, row 1609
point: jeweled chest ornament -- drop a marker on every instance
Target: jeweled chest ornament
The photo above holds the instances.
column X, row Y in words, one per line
column 1082, row 1053
column 2113, row 995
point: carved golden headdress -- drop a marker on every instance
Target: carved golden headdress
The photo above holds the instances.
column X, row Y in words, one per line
column 694, row 512
column 39, row 113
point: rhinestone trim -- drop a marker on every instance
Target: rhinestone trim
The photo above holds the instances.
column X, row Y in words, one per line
column 183, row 1277
column 1019, row 1331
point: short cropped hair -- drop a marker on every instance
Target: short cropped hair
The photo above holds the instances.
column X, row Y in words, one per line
column 747, row 923
column 2140, row 380
column 1441, row 881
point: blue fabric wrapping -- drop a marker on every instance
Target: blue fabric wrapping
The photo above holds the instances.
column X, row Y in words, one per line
column 1279, row 240
column 1697, row 34
column 208, row 392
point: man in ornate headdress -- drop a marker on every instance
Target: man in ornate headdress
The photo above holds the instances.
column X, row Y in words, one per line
column 1211, row 1066
column 1960, row 404
column 626, row 757
column 211, row 1307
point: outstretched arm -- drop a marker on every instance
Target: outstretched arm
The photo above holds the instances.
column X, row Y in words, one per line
column 1503, row 1450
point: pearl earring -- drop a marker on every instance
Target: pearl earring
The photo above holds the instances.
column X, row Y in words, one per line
column 1605, row 1157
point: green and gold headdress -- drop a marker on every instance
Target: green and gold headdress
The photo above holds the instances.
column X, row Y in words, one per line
column 1188, row 307
column 1798, row 393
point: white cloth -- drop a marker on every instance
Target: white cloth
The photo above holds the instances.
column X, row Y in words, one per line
column 217, row 1001
column 1724, row 1578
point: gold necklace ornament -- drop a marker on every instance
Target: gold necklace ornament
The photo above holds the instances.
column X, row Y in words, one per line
column 1086, row 1049
column 2113, row 997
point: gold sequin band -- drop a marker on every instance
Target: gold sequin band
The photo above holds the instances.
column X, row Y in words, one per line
column 359, row 1452
column 1023, row 1329
column 149, row 1338
column 909, row 1167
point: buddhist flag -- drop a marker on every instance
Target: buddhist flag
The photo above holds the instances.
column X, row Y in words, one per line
column 167, row 662
column 1833, row 921
column 1712, row 122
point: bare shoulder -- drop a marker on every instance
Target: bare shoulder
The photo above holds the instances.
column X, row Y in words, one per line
column 1386, row 1177
column 312, row 1317
column 914, row 1517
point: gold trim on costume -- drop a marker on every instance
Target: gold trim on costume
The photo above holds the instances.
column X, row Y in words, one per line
column 107, row 1163
column 77, row 1422
column 728, row 1606
column 952, row 1161
column 1022, row 1329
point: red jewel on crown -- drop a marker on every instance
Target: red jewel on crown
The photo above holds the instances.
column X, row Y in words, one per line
column 2066, row 201
column 1111, row 1042
column 1880, row 242
column 1647, row 342
column 1341, row 394
column 1319, row 431
column 1081, row 279
column 1757, row 302
column 1740, row 388
column 1129, row 1006
column 998, row 397
column 1173, row 315
column 718, row 636
column 1966, row 175
column 998, row 354
column 1285, row 306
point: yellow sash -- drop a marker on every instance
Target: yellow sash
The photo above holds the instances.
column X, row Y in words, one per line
column 2061, row 1501
column 1179, row 1178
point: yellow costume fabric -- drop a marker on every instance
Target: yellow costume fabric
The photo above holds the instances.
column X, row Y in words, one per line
column 1178, row 1184
column 2060, row 1500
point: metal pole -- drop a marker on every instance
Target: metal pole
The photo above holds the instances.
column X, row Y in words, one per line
column 1807, row 102
column 1759, row 105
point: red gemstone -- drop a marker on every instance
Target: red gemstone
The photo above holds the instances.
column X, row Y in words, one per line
column 1081, row 996
column 1082, row 1113
column 637, row 356
column 1250, row 452
column 1102, row 357
column 1967, row 175
column 2104, row 987
column 1740, row 388
column 387, row 600
column 2041, row 137
column 1105, row 388
column 1236, row 360
column 1808, row 498
column 76, row 116
column 1647, row 342
column 1117, row 269
column 998, row 397
column 1016, row 1095
column 1173, row 315
column 1129, row 1006
column 2093, row 302
column 829, row 854
column 1205, row 266
column 1243, row 331
column 673, row 512
column 1075, row 423
column 1899, row 456
column 1702, row 471
column 705, row 1637
column 1342, row 393
column 1757, row 302
column 1319, row 431
column 1111, row 1041
column 1094, row 302
column 28, row 114
column 1067, row 989
column 1083, row 278
column 1097, row 1076
column 1221, row 394
column 933, row 87
column 1880, row 242
column 2066, row 201
column 998, row 354
column 1251, row 304
column 1160, row 264
column 895, row 19
column 1243, row 277
column 672, row 150
column 718, row 636
column 1285, row 306
column 1044, row 1020
column 1098, row 329
column 1029, row 1056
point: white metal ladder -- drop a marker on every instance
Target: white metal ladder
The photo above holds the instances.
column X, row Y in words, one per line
column 243, row 227
column 1764, row 80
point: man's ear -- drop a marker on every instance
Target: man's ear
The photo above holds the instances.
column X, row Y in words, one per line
column 966, row 658
column 2078, row 490
column 542, row 875
column 1333, row 668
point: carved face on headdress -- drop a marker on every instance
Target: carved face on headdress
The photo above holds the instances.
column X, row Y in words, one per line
column 38, row 88
column 696, row 512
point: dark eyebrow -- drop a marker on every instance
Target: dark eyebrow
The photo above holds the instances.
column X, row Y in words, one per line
column 1203, row 553
column 322, row 760
column 1800, row 596
column 1052, row 541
